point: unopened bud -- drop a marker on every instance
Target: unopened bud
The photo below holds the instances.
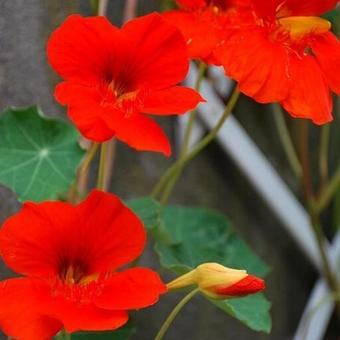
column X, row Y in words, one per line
column 219, row 282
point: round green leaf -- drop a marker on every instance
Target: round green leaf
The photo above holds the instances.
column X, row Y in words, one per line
column 39, row 156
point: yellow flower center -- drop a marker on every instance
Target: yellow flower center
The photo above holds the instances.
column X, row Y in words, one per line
column 298, row 27
column 75, row 275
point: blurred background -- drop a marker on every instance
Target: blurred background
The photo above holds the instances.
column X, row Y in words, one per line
column 211, row 180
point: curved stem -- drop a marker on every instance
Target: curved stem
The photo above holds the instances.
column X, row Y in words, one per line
column 79, row 187
column 174, row 313
column 286, row 140
column 329, row 191
column 187, row 134
column 163, row 180
column 102, row 165
column 186, row 139
column 88, row 158
column 319, row 236
column 314, row 213
column 305, row 161
column 198, row 148
column 323, row 155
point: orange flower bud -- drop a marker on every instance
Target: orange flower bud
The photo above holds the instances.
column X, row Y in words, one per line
column 219, row 282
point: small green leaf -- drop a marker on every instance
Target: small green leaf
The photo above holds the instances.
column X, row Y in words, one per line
column 252, row 310
column 123, row 333
column 200, row 235
column 38, row 155
column 147, row 209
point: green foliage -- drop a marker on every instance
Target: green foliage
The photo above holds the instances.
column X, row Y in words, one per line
column 146, row 209
column 252, row 310
column 38, row 156
column 167, row 5
column 333, row 16
column 123, row 333
column 201, row 235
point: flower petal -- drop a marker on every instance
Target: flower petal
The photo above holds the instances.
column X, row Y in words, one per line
column 265, row 8
column 257, row 63
column 84, row 317
column 306, row 8
column 175, row 100
column 30, row 240
column 80, row 49
column 194, row 26
column 309, row 95
column 85, row 111
column 100, row 234
column 248, row 285
column 326, row 48
column 132, row 289
column 20, row 310
column 142, row 133
column 111, row 234
column 293, row 7
column 159, row 50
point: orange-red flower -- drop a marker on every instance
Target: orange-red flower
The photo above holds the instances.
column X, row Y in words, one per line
column 203, row 23
column 219, row 282
column 112, row 76
column 284, row 53
column 69, row 256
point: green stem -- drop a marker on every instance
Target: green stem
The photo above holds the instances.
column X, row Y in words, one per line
column 88, row 158
column 199, row 147
column 305, row 161
column 174, row 313
column 186, row 140
column 323, row 155
column 101, row 171
column 328, row 193
column 320, row 238
column 314, row 213
column 286, row 141
column 77, row 189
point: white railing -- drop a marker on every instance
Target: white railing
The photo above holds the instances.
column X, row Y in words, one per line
column 279, row 198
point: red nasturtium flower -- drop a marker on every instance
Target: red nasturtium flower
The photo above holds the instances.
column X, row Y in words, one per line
column 203, row 23
column 69, row 256
column 113, row 76
column 219, row 282
column 285, row 53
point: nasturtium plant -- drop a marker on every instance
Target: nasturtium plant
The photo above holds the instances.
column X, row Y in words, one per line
column 39, row 156
column 199, row 235
column 77, row 257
